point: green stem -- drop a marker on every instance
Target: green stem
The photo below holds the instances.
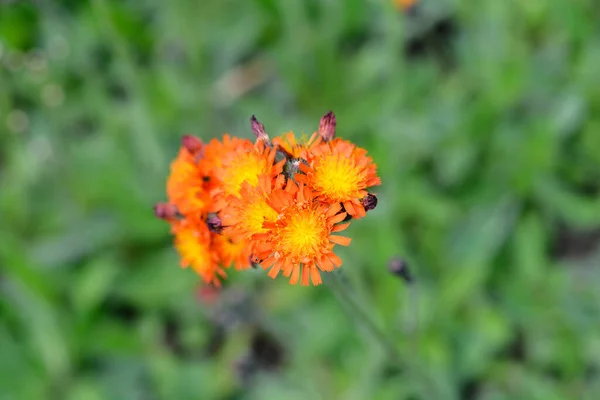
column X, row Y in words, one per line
column 363, row 318
column 348, row 301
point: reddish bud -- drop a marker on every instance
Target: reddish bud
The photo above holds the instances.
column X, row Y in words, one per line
column 369, row 202
column 327, row 126
column 192, row 144
column 259, row 129
column 208, row 294
column 214, row 223
column 166, row 211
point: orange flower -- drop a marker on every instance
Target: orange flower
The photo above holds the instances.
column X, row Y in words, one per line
column 301, row 234
column 230, row 252
column 245, row 215
column 340, row 173
column 193, row 242
column 186, row 186
column 294, row 149
column 236, row 161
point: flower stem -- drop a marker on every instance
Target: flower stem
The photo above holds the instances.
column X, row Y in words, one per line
column 348, row 301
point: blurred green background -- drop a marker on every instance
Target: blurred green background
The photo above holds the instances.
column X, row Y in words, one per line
column 484, row 119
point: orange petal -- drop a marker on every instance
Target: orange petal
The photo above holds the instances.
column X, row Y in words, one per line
column 360, row 211
column 268, row 262
column 338, row 218
column 341, row 240
column 335, row 259
column 295, row 274
column 315, row 276
column 273, row 272
column 349, row 208
column 340, row 227
column 301, row 178
column 325, row 264
column 305, row 276
column 333, row 209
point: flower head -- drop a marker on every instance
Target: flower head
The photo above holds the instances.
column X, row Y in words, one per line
column 341, row 173
column 193, row 242
column 230, row 252
column 245, row 215
column 236, row 161
column 278, row 203
column 300, row 240
column 187, row 185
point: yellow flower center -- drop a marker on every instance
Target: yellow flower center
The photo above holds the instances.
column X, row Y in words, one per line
column 303, row 232
column 245, row 168
column 337, row 177
column 255, row 214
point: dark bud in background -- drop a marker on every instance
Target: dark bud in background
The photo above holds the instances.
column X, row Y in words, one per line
column 259, row 130
column 166, row 211
column 369, row 202
column 265, row 353
column 267, row 350
column 399, row 267
column 327, row 126
column 192, row 144
column 214, row 223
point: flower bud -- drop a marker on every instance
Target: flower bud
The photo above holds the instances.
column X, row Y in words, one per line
column 292, row 167
column 192, row 144
column 214, row 223
column 369, row 202
column 166, row 211
column 259, row 130
column 399, row 267
column 327, row 126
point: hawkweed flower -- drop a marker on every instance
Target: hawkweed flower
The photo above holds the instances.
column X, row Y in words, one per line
column 341, row 172
column 187, row 183
column 300, row 241
column 235, row 161
column 275, row 202
column 247, row 213
column 230, row 252
column 193, row 242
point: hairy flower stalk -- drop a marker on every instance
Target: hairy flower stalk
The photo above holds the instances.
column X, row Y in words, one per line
column 279, row 203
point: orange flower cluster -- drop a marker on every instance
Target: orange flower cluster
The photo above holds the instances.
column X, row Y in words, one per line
column 279, row 203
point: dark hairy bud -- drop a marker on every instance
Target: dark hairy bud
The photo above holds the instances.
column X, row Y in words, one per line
column 369, row 202
column 399, row 267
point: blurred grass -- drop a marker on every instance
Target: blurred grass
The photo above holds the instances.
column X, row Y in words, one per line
column 483, row 117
